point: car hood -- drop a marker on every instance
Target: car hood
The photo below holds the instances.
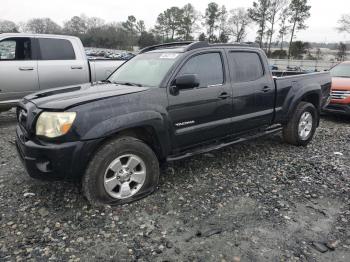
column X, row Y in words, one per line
column 341, row 83
column 69, row 96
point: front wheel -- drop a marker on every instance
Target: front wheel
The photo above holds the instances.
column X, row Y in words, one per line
column 122, row 171
column 302, row 126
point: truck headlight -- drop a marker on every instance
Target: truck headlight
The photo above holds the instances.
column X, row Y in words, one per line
column 54, row 124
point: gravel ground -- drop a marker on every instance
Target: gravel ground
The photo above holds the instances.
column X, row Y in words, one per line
column 261, row 200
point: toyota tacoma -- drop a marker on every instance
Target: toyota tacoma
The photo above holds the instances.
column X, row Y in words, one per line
column 169, row 102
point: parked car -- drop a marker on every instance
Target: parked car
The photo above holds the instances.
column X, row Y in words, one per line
column 169, row 102
column 33, row 62
column 340, row 94
column 273, row 67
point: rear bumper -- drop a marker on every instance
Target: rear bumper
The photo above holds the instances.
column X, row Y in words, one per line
column 54, row 161
column 334, row 108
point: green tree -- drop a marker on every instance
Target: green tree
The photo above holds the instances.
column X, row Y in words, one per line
column 341, row 54
column 300, row 12
column 161, row 27
column 187, row 23
column 168, row 23
column 280, row 54
column 212, row 19
column 147, row 39
column 76, row 26
column 223, row 28
column 173, row 17
column 202, row 37
column 298, row 49
column 259, row 14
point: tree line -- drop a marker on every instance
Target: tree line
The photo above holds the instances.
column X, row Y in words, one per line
column 278, row 21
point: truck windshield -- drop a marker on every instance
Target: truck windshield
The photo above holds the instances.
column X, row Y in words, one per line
column 341, row 70
column 147, row 69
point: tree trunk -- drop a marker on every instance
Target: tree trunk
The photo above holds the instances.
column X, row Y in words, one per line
column 271, row 34
column 291, row 39
column 282, row 38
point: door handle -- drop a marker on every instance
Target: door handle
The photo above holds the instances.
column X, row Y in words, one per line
column 26, row 68
column 224, row 95
column 265, row 89
column 76, row 67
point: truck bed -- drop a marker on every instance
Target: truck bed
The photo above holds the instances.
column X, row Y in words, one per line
column 292, row 84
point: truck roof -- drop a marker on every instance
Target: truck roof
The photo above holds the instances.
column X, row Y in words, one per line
column 185, row 46
column 37, row 35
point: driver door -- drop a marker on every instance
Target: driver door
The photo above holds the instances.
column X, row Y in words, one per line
column 202, row 113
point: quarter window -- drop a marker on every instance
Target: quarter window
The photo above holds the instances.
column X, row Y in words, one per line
column 245, row 66
column 16, row 49
column 56, row 49
column 208, row 68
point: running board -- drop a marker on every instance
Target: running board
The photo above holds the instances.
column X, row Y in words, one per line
column 268, row 131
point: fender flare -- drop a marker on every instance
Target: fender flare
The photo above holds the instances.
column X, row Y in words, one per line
column 152, row 119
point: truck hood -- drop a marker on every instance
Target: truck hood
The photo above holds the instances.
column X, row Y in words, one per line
column 69, row 96
column 341, row 83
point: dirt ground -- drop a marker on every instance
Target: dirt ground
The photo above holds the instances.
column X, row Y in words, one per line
column 262, row 200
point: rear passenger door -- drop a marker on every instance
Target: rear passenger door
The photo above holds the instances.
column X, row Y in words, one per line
column 202, row 113
column 253, row 91
column 18, row 68
column 60, row 64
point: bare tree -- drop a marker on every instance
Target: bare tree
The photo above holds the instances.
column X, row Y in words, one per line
column 284, row 26
column 238, row 23
column 344, row 23
column 276, row 6
column 43, row 26
column 7, row 26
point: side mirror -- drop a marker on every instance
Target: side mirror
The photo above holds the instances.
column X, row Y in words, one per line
column 187, row 81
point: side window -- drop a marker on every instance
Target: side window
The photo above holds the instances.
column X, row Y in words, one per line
column 56, row 49
column 17, row 48
column 245, row 66
column 208, row 68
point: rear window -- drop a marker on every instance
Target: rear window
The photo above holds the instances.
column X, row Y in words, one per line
column 56, row 49
column 245, row 66
column 17, row 48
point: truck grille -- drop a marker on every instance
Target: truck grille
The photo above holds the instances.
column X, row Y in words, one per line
column 337, row 94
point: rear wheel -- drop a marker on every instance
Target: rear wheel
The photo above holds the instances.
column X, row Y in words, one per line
column 302, row 126
column 122, row 171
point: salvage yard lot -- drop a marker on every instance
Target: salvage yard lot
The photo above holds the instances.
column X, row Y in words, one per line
column 262, row 200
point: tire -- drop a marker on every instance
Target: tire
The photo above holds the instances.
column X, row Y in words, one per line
column 291, row 132
column 109, row 165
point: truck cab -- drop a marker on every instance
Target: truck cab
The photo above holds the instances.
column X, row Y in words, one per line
column 33, row 62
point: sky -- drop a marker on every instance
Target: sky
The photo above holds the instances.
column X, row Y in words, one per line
column 321, row 25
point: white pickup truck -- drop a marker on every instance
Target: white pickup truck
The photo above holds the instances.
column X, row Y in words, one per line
column 33, row 62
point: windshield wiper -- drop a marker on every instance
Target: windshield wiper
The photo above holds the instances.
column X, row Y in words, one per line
column 128, row 84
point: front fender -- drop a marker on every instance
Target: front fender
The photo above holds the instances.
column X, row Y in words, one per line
column 113, row 125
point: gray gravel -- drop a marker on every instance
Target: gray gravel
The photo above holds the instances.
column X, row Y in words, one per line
column 261, row 200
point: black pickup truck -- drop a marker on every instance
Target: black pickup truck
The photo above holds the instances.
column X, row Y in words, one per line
column 169, row 102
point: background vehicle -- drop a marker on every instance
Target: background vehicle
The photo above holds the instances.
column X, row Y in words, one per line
column 340, row 93
column 29, row 63
column 169, row 102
